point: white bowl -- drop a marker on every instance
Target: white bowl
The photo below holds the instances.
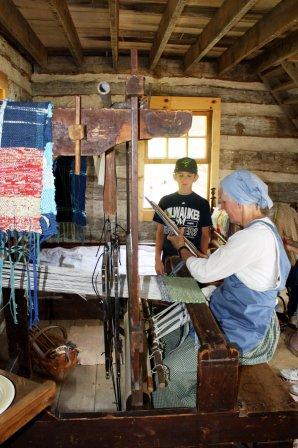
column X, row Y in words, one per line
column 7, row 393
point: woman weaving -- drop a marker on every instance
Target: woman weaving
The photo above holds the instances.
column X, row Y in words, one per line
column 254, row 266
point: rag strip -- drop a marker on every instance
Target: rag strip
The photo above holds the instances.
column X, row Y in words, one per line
column 27, row 192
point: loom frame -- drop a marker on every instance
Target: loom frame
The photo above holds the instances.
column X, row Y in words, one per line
column 226, row 412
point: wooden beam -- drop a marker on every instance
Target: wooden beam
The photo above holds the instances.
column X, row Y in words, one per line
column 273, row 24
column 277, row 53
column 224, row 19
column 292, row 100
column 279, row 100
column 19, row 30
column 291, row 69
column 167, row 24
column 114, row 30
column 107, row 128
column 285, row 86
column 62, row 14
column 273, row 72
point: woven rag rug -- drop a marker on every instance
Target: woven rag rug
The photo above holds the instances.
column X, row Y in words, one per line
column 180, row 289
column 27, row 192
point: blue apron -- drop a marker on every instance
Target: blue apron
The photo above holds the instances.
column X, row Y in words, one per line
column 243, row 313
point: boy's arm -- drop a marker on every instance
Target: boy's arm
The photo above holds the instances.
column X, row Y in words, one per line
column 159, row 240
column 205, row 238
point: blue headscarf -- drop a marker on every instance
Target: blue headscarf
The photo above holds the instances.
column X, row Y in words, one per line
column 245, row 187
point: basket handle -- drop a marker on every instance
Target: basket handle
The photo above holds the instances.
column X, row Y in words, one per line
column 41, row 331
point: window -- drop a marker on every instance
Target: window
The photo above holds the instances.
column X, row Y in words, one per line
column 201, row 143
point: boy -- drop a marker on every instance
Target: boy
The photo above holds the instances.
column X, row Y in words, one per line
column 187, row 209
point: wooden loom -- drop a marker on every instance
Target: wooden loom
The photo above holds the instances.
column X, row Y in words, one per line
column 234, row 404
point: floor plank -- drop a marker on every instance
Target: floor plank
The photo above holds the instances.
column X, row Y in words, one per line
column 104, row 392
column 78, row 391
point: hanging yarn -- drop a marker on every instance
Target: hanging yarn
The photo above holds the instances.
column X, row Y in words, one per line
column 70, row 191
column 27, row 205
column 77, row 192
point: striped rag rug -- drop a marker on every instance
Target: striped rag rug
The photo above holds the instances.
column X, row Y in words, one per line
column 27, row 192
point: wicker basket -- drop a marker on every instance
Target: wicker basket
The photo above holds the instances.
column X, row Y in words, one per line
column 51, row 351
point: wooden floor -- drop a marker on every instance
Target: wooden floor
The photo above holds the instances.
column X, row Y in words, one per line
column 283, row 358
column 86, row 389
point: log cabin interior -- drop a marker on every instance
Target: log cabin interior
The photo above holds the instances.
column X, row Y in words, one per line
column 122, row 89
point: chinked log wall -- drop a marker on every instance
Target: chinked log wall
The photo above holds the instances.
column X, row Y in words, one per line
column 255, row 133
column 17, row 70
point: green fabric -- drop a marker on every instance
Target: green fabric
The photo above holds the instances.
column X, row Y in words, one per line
column 180, row 289
column 265, row 350
column 182, row 365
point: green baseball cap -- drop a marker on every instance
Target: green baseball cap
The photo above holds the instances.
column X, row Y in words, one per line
column 186, row 164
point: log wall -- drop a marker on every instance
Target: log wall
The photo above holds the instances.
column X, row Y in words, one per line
column 18, row 72
column 255, row 133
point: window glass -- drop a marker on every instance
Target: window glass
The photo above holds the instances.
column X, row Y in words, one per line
column 157, row 148
column 176, row 148
column 199, row 126
column 197, row 148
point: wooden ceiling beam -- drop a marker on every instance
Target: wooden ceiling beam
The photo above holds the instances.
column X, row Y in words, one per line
column 18, row 29
column 167, row 24
column 293, row 58
column 279, row 52
column 285, row 86
column 62, row 14
column 292, row 100
column 272, row 25
column 114, row 30
column 291, row 69
column 223, row 20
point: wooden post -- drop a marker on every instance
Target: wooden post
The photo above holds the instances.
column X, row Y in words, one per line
column 78, row 141
column 134, row 89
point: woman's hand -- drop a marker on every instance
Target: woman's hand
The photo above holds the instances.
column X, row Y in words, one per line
column 177, row 240
column 159, row 267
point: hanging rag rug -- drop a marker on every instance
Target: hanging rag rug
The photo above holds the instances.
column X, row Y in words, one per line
column 27, row 192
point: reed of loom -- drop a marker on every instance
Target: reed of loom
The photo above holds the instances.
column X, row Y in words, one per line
column 175, row 229
column 154, row 347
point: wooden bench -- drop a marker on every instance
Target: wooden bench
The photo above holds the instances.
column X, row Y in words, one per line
column 225, row 385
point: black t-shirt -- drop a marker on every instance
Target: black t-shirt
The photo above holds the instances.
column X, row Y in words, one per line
column 190, row 211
